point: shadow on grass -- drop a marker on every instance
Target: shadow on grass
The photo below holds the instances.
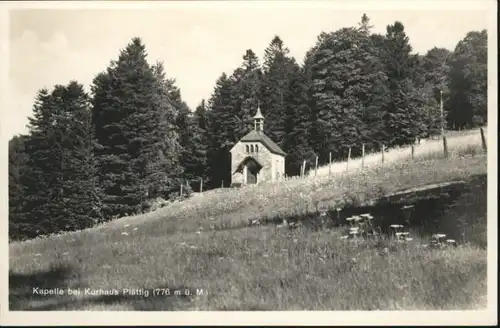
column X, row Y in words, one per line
column 456, row 209
column 26, row 294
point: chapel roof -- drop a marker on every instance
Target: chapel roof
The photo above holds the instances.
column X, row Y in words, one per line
column 255, row 135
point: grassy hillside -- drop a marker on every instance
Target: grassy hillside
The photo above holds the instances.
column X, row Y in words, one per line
column 459, row 143
column 204, row 245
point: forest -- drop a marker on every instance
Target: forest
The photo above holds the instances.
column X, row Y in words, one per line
column 91, row 157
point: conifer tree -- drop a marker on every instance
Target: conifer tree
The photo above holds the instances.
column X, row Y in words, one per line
column 338, row 115
column 308, row 68
column 468, row 105
column 183, row 128
column 275, row 81
column 81, row 201
column 41, row 166
column 168, row 174
column 184, row 133
column 297, row 125
column 404, row 112
column 222, row 123
column 347, row 88
column 372, row 89
column 186, row 130
column 112, row 147
column 246, row 93
column 60, row 181
column 17, row 170
column 129, row 115
column 196, row 150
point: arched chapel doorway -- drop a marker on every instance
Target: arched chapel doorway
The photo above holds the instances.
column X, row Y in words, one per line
column 250, row 169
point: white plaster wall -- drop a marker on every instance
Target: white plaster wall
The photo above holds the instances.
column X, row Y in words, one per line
column 278, row 166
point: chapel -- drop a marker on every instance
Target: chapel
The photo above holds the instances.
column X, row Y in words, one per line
column 255, row 157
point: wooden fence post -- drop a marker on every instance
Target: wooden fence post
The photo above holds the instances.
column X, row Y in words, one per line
column 201, row 185
column 445, row 147
column 330, row 163
column 222, row 184
column 483, row 139
column 348, row 159
column 362, row 155
column 412, row 151
column 181, row 189
column 383, row 151
column 316, row 167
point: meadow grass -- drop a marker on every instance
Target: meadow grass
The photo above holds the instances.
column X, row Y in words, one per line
column 262, row 269
column 189, row 246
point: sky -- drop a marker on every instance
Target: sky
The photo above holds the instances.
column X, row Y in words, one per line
column 196, row 43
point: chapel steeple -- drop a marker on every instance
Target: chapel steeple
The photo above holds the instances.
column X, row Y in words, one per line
column 258, row 120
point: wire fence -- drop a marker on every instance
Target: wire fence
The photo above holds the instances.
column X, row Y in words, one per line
column 435, row 146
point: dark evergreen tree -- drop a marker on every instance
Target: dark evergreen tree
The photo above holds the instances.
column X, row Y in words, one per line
column 129, row 115
column 404, row 113
column 199, row 146
column 246, row 93
column 187, row 133
column 60, row 180
column 373, row 90
column 192, row 154
column 275, row 88
column 200, row 116
column 108, row 118
column 194, row 139
column 17, row 169
column 297, row 125
column 348, row 90
column 308, row 69
column 167, row 175
column 285, row 104
column 468, row 105
column 81, row 199
column 41, row 166
column 338, row 108
column 223, row 134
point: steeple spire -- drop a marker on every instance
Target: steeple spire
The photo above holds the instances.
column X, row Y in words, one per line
column 258, row 119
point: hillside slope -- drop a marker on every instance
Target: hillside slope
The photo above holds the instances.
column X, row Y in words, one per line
column 458, row 143
column 203, row 246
